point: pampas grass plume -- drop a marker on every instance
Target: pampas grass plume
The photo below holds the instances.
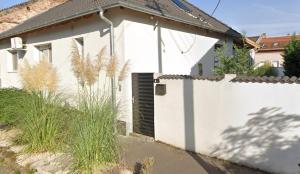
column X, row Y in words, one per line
column 124, row 71
column 111, row 67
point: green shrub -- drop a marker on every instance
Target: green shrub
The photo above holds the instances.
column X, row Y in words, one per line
column 94, row 141
column 291, row 58
column 43, row 122
column 239, row 63
column 12, row 105
column 265, row 70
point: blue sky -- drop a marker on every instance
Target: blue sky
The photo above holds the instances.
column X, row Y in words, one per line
column 274, row 17
column 7, row 3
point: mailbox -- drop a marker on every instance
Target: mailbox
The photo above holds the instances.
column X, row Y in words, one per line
column 160, row 89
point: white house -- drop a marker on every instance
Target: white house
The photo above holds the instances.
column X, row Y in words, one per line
column 166, row 36
column 271, row 50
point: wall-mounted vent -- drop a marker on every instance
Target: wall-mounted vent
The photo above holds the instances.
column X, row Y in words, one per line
column 182, row 6
column 16, row 43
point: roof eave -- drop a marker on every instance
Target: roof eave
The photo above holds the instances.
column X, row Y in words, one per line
column 90, row 11
column 252, row 43
column 125, row 5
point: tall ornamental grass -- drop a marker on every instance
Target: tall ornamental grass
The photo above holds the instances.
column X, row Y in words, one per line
column 42, row 121
column 94, row 141
column 94, row 138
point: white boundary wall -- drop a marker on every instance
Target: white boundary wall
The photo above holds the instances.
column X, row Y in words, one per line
column 254, row 124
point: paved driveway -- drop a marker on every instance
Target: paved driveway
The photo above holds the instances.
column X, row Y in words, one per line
column 169, row 160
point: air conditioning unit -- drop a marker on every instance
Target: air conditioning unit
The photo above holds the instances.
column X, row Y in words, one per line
column 16, row 43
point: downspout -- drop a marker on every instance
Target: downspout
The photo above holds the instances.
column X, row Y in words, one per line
column 112, row 52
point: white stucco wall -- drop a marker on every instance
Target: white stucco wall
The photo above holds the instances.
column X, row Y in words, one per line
column 183, row 46
column 141, row 46
column 94, row 32
column 254, row 124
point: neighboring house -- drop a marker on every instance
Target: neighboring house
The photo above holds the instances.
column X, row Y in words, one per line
column 271, row 50
column 166, row 36
column 12, row 16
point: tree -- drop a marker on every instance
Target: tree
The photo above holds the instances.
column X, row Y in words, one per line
column 239, row 63
column 291, row 57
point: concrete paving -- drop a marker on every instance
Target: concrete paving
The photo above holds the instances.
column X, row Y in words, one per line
column 169, row 160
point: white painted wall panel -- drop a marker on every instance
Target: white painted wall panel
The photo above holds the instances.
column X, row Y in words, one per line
column 142, row 49
column 183, row 51
column 254, row 124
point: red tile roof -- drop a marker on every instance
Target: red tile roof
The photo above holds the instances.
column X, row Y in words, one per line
column 275, row 43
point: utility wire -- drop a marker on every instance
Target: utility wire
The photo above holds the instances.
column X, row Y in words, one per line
column 218, row 4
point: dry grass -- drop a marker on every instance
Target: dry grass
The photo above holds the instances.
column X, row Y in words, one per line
column 100, row 61
column 124, row 71
column 52, row 81
column 90, row 73
column 111, row 67
column 77, row 62
column 87, row 72
column 40, row 77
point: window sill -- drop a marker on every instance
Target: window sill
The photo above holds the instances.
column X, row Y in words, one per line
column 12, row 72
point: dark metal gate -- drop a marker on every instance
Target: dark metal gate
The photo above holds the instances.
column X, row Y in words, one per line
column 143, row 103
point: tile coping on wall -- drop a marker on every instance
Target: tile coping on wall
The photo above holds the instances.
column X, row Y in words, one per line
column 247, row 79
column 179, row 77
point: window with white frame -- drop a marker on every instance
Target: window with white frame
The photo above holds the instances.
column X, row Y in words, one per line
column 275, row 64
column 80, row 45
column 13, row 60
column 45, row 52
